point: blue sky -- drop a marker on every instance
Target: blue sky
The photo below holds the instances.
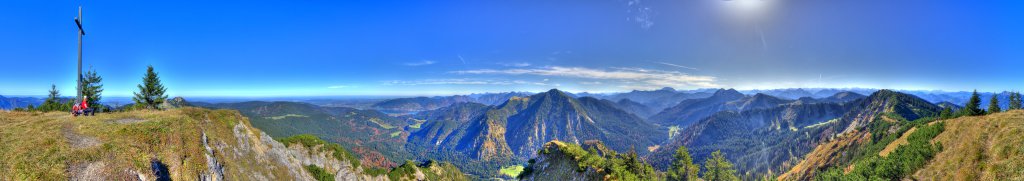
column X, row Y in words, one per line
column 310, row 48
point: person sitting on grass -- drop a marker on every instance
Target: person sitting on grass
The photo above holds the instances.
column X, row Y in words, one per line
column 83, row 108
column 75, row 110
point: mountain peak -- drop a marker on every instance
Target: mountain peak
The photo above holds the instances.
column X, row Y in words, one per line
column 727, row 93
column 761, row 96
column 667, row 89
column 846, row 94
column 556, row 92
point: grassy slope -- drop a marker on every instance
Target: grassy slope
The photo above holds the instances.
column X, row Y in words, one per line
column 117, row 146
column 900, row 141
column 35, row 146
column 979, row 148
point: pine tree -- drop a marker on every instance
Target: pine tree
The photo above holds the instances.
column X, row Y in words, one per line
column 946, row 113
column 151, row 91
column 973, row 107
column 92, row 87
column 683, row 168
column 717, row 168
column 52, row 101
column 993, row 104
column 1015, row 101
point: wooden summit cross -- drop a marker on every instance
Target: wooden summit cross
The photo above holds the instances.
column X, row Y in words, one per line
column 81, row 32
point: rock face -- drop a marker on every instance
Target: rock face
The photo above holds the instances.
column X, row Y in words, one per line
column 270, row 152
column 215, row 169
column 553, row 164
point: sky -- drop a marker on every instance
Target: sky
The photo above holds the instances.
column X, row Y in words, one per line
column 335, row 48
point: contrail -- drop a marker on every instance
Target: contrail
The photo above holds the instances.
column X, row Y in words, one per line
column 764, row 44
column 462, row 59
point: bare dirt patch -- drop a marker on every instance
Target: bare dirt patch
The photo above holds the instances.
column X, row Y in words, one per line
column 88, row 171
column 77, row 140
column 129, row 121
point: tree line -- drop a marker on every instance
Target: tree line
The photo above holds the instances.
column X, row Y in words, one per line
column 973, row 106
column 150, row 95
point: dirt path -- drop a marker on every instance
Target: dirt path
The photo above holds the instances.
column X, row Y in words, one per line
column 77, row 140
column 129, row 121
column 87, row 171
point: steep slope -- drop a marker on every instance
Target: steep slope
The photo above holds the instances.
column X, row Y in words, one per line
column 756, row 140
column 979, row 148
column 180, row 144
column 378, row 138
column 556, row 116
column 771, row 139
column 850, row 136
column 443, row 122
column 640, row 110
column 516, row 129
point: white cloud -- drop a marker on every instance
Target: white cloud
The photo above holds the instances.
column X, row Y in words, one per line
column 519, row 64
column 460, row 82
column 337, row 87
column 638, row 76
column 674, row 65
column 420, row 63
column 641, row 14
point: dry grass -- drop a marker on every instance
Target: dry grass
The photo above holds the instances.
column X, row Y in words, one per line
column 824, row 154
column 979, row 148
column 896, row 143
column 33, row 146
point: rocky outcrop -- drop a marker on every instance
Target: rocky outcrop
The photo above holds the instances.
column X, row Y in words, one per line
column 554, row 164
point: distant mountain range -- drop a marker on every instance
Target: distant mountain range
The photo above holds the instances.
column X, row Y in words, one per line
column 760, row 132
column 9, row 103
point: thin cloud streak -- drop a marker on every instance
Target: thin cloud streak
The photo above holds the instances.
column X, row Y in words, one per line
column 519, row 64
column 641, row 77
column 460, row 82
column 420, row 63
column 675, row 65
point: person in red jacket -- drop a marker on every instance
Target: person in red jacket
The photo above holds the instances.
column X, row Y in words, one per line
column 83, row 108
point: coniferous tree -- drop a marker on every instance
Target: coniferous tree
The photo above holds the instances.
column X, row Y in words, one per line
column 52, row 101
column 717, row 168
column 683, row 168
column 151, row 91
column 946, row 113
column 1015, row 101
column 92, row 87
column 993, row 104
column 973, row 107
